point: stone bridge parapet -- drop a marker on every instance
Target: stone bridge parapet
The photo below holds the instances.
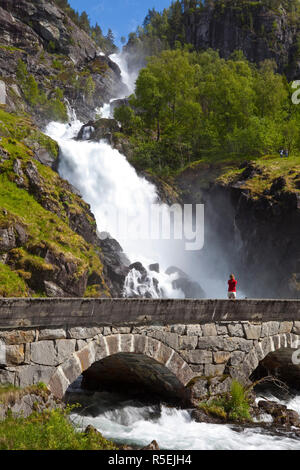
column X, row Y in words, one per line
column 55, row 341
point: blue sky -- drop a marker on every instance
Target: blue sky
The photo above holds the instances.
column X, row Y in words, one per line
column 122, row 16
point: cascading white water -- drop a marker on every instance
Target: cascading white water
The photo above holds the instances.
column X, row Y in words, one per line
column 132, row 422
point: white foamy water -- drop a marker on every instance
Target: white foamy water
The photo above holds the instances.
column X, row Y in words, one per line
column 132, row 423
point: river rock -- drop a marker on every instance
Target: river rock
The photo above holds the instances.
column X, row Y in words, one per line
column 152, row 446
column 280, row 413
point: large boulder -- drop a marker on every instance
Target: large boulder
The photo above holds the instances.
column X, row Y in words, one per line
column 102, row 129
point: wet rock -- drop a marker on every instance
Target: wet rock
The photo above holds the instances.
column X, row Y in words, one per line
column 152, row 446
column 115, row 264
column 102, row 129
column 280, row 413
column 140, row 268
column 201, row 417
column 154, row 267
column 190, row 288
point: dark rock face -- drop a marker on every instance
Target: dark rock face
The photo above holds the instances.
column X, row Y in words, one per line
column 116, row 265
column 102, row 129
column 260, row 32
column 190, row 288
column 255, row 237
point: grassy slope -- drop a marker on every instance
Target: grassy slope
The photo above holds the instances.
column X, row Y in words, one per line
column 227, row 171
column 46, row 429
column 45, row 229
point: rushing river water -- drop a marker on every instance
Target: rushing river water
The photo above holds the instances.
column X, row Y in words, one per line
column 136, row 423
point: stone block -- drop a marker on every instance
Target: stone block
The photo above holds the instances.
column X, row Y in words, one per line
column 153, row 347
column 84, row 333
column 15, row 354
column 188, row 342
column 197, row 356
column 86, row 356
column 72, row 369
column 213, row 343
column 106, row 331
column 175, row 364
column 219, row 387
column 113, row 343
column 81, row 343
column 51, row 334
column 44, row 352
column 197, row 369
column 17, row 336
column 123, row 330
column 179, row 329
column 213, row 370
column 296, row 327
column 200, row 389
column 252, row 331
column 236, row 329
column 163, row 354
column 236, row 357
column 171, row 339
column 270, row 328
column 209, row 329
column 221, row 329
column 64, row 348
column 185, row 374
column 33, row 374
column 127, row 343
column 140, row 344
column 285, row 327
column 194, row 330
column 7, row 377
column 221, row 357
column 58, row 383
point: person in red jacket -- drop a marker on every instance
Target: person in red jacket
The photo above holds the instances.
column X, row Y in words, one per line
column 232, row 287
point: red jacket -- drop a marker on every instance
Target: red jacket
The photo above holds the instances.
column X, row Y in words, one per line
column 232, row 285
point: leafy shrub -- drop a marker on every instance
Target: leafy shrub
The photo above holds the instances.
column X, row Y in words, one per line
column 233, row 406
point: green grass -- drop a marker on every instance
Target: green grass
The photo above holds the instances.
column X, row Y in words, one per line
column 46, row 230
column 272, row 167
column 10, row 48
column 48, row 430
column 11, row 284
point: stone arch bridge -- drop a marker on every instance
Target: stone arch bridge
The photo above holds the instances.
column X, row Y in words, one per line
column 180, row 348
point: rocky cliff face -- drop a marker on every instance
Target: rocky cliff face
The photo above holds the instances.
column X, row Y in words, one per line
column 252, row 27
column 252, row 225
column 58, row 54
column 48, row 240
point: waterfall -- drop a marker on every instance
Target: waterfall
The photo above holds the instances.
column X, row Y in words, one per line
column 115, row 192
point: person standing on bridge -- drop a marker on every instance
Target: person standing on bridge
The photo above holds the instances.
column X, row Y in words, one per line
column 232, row 287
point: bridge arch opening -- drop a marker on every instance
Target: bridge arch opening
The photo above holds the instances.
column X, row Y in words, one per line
column 133, row 374
column 280, row 364
column 124, row 361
